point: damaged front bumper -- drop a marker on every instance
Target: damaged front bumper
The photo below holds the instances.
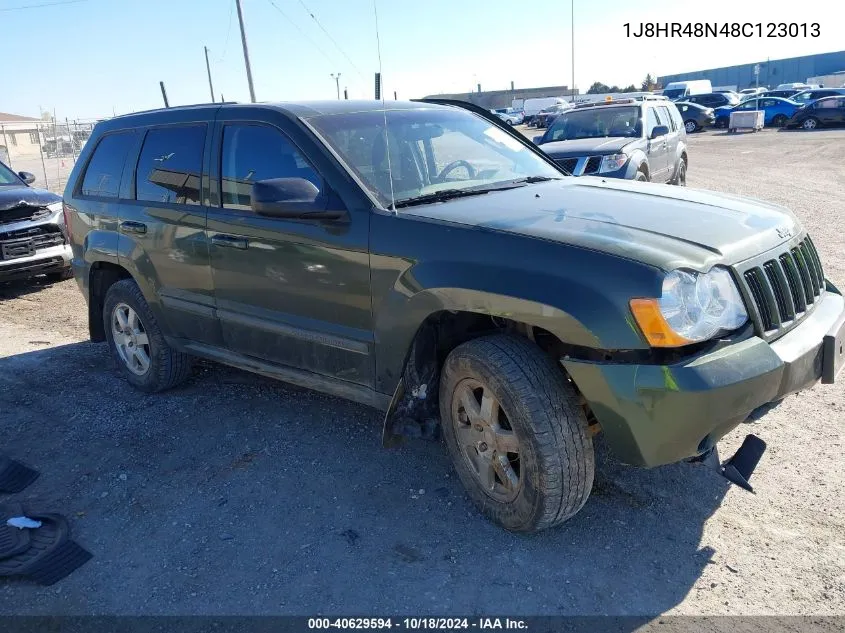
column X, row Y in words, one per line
column 660, row 414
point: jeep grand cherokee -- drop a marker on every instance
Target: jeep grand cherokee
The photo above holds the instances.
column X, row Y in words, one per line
column 427, row 261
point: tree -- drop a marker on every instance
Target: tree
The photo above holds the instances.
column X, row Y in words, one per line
column 598, row 88
column 649, row 84
column 630, row 88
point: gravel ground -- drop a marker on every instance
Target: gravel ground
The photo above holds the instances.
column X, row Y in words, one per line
column 234, row 494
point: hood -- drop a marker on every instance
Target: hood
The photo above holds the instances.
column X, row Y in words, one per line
column 582, row 146
column 12, row 196
column 662, row 225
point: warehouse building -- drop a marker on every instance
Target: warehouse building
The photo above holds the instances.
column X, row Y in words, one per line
column 772, row 72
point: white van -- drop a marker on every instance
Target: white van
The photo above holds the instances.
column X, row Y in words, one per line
column 676, row 90
column 531, row 107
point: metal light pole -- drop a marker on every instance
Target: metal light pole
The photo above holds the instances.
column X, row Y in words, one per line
column 246, row 52
column 208, row 69
column 337, row 83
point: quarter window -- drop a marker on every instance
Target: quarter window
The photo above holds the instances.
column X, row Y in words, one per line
column 170, row 165
column 102, row 176
column 257, row 152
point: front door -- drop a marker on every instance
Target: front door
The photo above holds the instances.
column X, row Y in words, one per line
column 829, row 111
column 657, row 147
column 672, row 140
column 291, row 292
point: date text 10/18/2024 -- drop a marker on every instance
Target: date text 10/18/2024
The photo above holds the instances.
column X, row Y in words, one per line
column 726, row 29
column 430, row 624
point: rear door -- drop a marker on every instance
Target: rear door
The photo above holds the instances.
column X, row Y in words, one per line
column 288, row 291
column 657, row 148
column 162, row 229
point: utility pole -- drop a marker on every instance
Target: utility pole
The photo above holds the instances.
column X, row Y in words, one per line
column 345, row 93
column 246, row 52
column 337, row 83
column 208, row 69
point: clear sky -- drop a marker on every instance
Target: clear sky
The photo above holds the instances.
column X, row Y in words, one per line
column 88, row 58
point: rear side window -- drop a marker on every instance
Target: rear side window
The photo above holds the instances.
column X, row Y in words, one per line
column 102, row 176
column 170, row 165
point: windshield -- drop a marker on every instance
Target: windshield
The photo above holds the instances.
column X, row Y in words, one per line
column 7, row 176
column 431, row 150
column 674, row 93
column 596, row 123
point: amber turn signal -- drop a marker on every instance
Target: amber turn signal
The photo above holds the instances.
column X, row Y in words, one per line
column 652, row 324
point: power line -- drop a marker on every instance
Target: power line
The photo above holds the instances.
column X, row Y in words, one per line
column 46, row 4
column 302, row 33
column 342, row 52
column 228, row 32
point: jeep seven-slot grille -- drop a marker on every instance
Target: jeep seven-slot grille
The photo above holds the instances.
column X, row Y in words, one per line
column 786, row 287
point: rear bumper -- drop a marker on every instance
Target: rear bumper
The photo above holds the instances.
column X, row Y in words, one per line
column 659, row 414
column 48, row 260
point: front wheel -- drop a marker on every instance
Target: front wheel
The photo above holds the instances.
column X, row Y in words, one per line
column 779, row 120
column 690, row 126
column 810, row 124
column 516, row 433
column 641, row 176
column 681, row 176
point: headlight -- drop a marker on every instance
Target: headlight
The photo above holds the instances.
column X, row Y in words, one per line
column 693, row 307
column 613, row 162
column 55, row 206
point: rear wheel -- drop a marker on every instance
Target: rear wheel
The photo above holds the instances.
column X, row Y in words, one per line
column 136, row 342
column 810, row 124
column 690, row 126
column 516, row 433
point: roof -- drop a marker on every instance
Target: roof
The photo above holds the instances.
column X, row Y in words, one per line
column 303, row 109
column 5, row 117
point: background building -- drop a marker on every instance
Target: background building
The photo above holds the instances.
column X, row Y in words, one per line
column 493, row 99
column 772, row 72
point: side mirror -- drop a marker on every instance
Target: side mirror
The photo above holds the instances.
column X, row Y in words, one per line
column 538, row 140
column 658, row 131
column 293, row 198
column 27, row 177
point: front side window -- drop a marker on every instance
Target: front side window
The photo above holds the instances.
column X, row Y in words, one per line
column 651, row 121
column 597, row 123
column 7, row 176
column 827, row 103
column 102, row 176
column 751, row 104
column 257, row 152
column 170, row 165
column 428, row 150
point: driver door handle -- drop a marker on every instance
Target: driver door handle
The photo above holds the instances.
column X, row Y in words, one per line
column 230, row 241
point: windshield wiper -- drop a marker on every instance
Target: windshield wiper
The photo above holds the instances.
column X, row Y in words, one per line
column 530, row 180
column 439, row 196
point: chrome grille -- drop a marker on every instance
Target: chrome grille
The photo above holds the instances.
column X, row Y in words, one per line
column 568, row 164
column 580, row 165
column 785, row 288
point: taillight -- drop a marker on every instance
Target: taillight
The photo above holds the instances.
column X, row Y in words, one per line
column 66, row 215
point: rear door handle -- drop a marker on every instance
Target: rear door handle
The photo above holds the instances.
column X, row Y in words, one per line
column 133, row 227
column 230, row 241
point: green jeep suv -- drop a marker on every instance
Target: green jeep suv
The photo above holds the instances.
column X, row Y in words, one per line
column 427, row 261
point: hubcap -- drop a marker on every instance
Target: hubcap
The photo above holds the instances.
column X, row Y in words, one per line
column 690, row 126
column 809, row 124
column 130, row 339
column 486, row 440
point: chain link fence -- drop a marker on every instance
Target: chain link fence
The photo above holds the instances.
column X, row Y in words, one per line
column 48, row 149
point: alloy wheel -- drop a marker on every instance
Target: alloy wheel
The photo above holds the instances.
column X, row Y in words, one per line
column 486, row 439
column 130, row 339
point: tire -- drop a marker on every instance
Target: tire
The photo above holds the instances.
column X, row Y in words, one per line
column 681, row 176
column 62, row 275
column 641, row 176
column 165, row 367
column 779, row 120
column 691, row 126
column 810, row 123
column 535, row 411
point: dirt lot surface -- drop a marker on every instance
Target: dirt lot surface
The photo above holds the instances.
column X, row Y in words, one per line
column 236, row 494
